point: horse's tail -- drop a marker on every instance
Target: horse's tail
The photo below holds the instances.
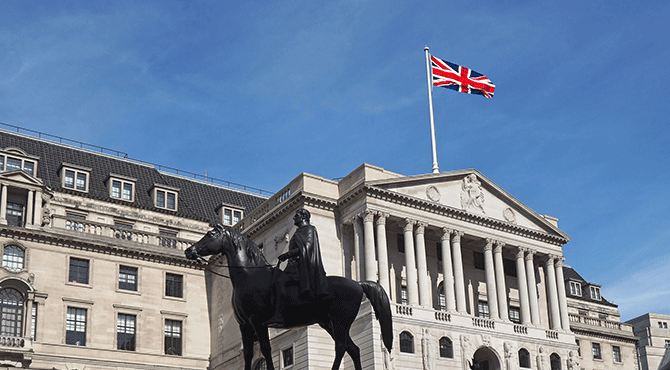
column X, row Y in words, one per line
column 382, row 307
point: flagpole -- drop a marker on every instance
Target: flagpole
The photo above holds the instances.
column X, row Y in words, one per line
column 436, row 167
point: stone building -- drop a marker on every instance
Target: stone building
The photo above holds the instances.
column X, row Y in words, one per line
column 93, row 273
column 654, row 345
column 604, row 341
column 473, row 273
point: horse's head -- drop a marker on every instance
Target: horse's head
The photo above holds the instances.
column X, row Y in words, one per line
column 210, row 244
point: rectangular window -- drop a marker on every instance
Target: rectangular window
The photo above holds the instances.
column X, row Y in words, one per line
column 575, row 288
column 403, row 295
column 227, row 216
column 400, row 239
column 237, row 216
column 29, row 167
column 665, row 325
column 515, row 314
column 123, row 190
column 68, row 179
column 14, row 214
column 75, row 326
column 173, row 337
column 287, row 356
column 579, row 348
column 478, row 260
column 166, row 199
column 596, row 351
column 660, row 325
column 125, row 332
column 595, row 293
column 77, row 180
column 78, row 271
column 509, row 266
column 483, row 310
column 616, row 353
column 13, row 164
column 667, row 343
column 128, row 278
column 174, row 285
column 33, row 322
column 168, row 239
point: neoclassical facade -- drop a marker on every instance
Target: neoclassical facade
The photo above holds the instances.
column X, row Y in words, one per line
column 653, row 331
column 473, row 273
column 93, row 271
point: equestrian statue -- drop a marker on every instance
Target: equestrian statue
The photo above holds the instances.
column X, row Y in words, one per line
column 265, row 296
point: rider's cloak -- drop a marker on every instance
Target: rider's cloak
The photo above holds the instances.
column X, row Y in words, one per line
column 312, row 276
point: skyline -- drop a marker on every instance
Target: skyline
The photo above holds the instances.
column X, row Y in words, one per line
column 577, row 128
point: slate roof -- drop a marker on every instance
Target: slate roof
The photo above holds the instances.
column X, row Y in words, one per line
column 197, row 199
column 569, row 274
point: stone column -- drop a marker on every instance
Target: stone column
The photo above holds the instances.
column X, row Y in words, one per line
column 523, row 286
column 562, row 300
column 491, row 293
column 382, row 252
column 29, row 207
column 448, row 272
column 28, row 318
column 369, row 245
column 3, row 205
column 410, row 264
column 459, row 280
column 358, row 232
column 532, row 288
column 500, row 281
column 422, row 265
column 554, row 312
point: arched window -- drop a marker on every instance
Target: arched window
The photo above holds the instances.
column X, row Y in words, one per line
column 11, row 310
column 555, row 361
column 406, row 342
column 524, row 358
column 441, row 300
column 446, row 348
column 12, row 258
column 260, row 364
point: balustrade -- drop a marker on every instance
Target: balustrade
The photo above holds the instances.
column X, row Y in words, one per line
column 594, row 321
column 552, row 334
column 521, row 329
column 403, row 310
column 483, row 323
column 442, row 316
column 9, row 341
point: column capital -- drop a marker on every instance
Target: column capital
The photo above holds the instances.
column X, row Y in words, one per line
column 520, row 252
column 550, row 260
column 499, row 246
column 489, row 244
column 381, row 220
column 421, row 227
column 368, row 215
column 446, row 233
column 457, row 236
column 559, row 261
column 409, row 225
column 530, row 254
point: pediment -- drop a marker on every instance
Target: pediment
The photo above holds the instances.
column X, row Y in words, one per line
column 469, row 191
column 21, row 177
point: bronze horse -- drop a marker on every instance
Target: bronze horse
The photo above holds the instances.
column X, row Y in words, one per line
column 253, row 299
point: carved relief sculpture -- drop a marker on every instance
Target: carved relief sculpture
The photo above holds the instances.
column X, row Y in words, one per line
column 573, row 363
column 510, row 356
column 472, row 196
column 428, row 357
column 542, row 360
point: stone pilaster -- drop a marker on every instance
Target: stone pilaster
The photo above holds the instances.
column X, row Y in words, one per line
column 500, row 281
column 523, row 286
column 448, row 271
column 422, row 265
column 382, row 251
column 369, row 245
column 410, row 263
column 532, row 289
column 552, row 290
column 562, row 299
column 491, row 292
column 459, row 280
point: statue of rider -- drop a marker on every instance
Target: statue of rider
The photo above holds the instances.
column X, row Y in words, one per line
column 304, row 266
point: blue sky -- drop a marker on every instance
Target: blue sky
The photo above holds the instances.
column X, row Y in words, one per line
column 257, row 92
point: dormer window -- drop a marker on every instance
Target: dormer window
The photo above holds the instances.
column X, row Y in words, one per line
column 595, row 293
column 75, row 177
column 229, row 215
column 575, row 288
column 165, row 197
column 121, row 187
column 15, row 159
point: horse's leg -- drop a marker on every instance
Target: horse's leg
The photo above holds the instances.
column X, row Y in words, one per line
column 264, row 342
column 354, row 352
column 247, row 344
column 340, row 347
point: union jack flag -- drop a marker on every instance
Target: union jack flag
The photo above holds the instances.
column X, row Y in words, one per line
column 455, row 77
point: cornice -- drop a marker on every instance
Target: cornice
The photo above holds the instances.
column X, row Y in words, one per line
column 295, row 201
column 624, row 337
column 96, row 246
column 450, row 212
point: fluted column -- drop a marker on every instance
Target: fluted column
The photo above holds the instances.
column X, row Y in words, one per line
column 29, row 207
column 422, row 265
column 448, row 272
column 523, row 287
column 562, row 299
column 491, row 293
column 500, row 281
column 410, row 263
column 369, row 245
column 553, row 293
column 358, row 232
column 382, row 252
column 3, row 205
column 459, row 281
column 532, row 289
